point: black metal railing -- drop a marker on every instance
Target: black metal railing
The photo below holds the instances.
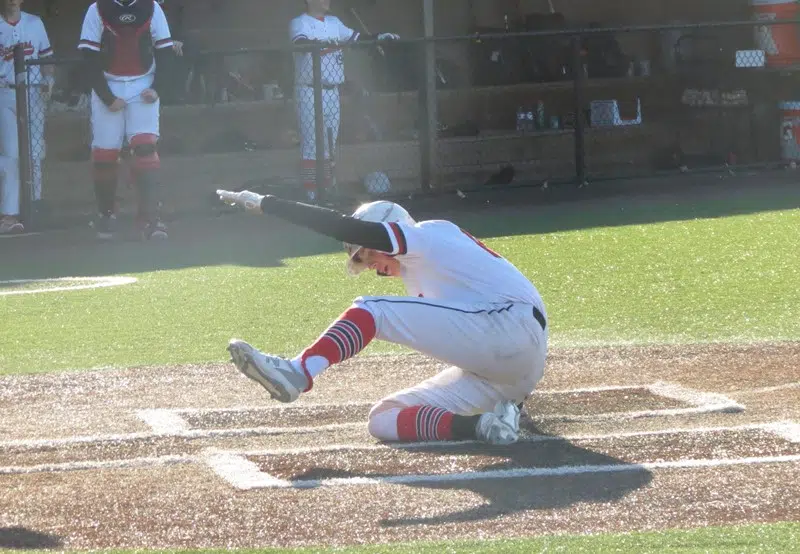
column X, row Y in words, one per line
column 512, row 108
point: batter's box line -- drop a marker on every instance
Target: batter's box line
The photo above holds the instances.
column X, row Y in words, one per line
column 236, row 469
column 168, row 421
column 243, row 474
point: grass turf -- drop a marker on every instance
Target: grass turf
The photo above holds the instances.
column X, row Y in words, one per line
column 620, row 271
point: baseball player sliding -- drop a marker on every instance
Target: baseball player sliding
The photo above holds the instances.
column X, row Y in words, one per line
column 18, row 27
column 127, row 49
column 466, row 306
column 316, row 26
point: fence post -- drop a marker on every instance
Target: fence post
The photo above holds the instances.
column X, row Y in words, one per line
column 429, row 116
column 579, row 81
column 23, row 136
column 319, row 121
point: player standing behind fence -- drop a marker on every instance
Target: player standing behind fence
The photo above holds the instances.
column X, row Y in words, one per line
column 316, row 26
column 18, row 27
column 127, row 48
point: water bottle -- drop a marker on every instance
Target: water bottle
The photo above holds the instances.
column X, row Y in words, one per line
column 540, row 117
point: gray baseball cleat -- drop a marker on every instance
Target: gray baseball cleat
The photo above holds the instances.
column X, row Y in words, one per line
column 501, row 426
column 283, row 382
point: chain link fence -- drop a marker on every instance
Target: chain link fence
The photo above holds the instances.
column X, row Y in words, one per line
column 508, row 108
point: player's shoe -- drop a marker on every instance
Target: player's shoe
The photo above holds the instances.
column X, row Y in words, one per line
column 500, row 426
column 283, row 382
column 105, row 226
column 11, row 226
column 155, row 230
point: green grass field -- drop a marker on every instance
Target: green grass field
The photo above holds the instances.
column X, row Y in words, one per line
column 611, row 273
column 621, row 271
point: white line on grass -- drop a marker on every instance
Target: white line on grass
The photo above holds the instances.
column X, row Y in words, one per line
column 91, row 283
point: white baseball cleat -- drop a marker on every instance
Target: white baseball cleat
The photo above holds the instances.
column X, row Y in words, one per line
column 283, row 382
column 500, row 426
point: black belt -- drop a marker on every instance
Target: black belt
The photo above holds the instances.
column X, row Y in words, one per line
column 539, row 316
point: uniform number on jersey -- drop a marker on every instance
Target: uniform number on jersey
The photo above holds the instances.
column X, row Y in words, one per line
column 479, row 243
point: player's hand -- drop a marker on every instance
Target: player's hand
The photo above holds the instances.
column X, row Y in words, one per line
column 250, row 201
column 117, row 105
column 388, row 36
column 177, row 47
column 149, row 96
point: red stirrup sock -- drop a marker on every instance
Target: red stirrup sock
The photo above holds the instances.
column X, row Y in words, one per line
column 426, row 423
column 345, row 338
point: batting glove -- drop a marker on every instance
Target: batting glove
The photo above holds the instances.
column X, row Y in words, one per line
column 388, row 36
column 250, row 201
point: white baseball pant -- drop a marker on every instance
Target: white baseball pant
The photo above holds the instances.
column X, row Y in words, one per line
column 9, row 147
column 497, row 351
column 111, row 129
column 306, row 120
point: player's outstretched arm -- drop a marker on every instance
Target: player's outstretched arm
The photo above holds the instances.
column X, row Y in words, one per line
column 93, row 65
column 322, row 220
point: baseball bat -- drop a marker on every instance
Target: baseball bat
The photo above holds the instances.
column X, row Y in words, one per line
column 365, row 29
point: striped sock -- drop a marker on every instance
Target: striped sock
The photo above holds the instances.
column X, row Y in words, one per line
column 424, row 423
column 345, row 338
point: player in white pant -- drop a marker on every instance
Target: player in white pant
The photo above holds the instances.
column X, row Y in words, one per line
column 317, row 26
column 18, row 27
column 466, row 306
column 127, row 49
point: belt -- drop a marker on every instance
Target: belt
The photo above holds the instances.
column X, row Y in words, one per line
column 539, row 316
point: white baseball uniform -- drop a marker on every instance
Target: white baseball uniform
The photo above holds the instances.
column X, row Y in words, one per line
column 467, row 306
column 126, row 78
column 30, row 32
column 331, row 29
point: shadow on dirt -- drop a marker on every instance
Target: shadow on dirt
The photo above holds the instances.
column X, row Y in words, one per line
column 21, row 538
column 517, row 494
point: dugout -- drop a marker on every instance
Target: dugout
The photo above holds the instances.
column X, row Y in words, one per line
column 230, row 132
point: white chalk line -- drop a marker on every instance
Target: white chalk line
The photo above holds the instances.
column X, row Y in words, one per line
column 238, row 471
column 269, row 481
column 779, row 428
column 764, row 390
column 163, row 421
column 92, row 283
column 235, row 468
column 31, row 444
column 131, row 463
column 691, row 396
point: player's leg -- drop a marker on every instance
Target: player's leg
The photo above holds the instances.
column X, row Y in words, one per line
column 304, row 100
column 503, row 344
column 38, row 111
column 142, row 129
column 453, row 405
column 108, row 132
column 332, row 111
column 9, row 165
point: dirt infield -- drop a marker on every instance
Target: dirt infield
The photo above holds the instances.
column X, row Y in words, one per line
column 619, row 439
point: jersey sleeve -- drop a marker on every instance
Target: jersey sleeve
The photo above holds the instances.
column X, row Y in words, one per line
column 43, row 41
column 407, row 240
column 297, row 30
column 346, row 34
column 92, row 30
column 159, row 29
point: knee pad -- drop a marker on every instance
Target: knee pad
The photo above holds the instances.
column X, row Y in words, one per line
column 145, row 152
